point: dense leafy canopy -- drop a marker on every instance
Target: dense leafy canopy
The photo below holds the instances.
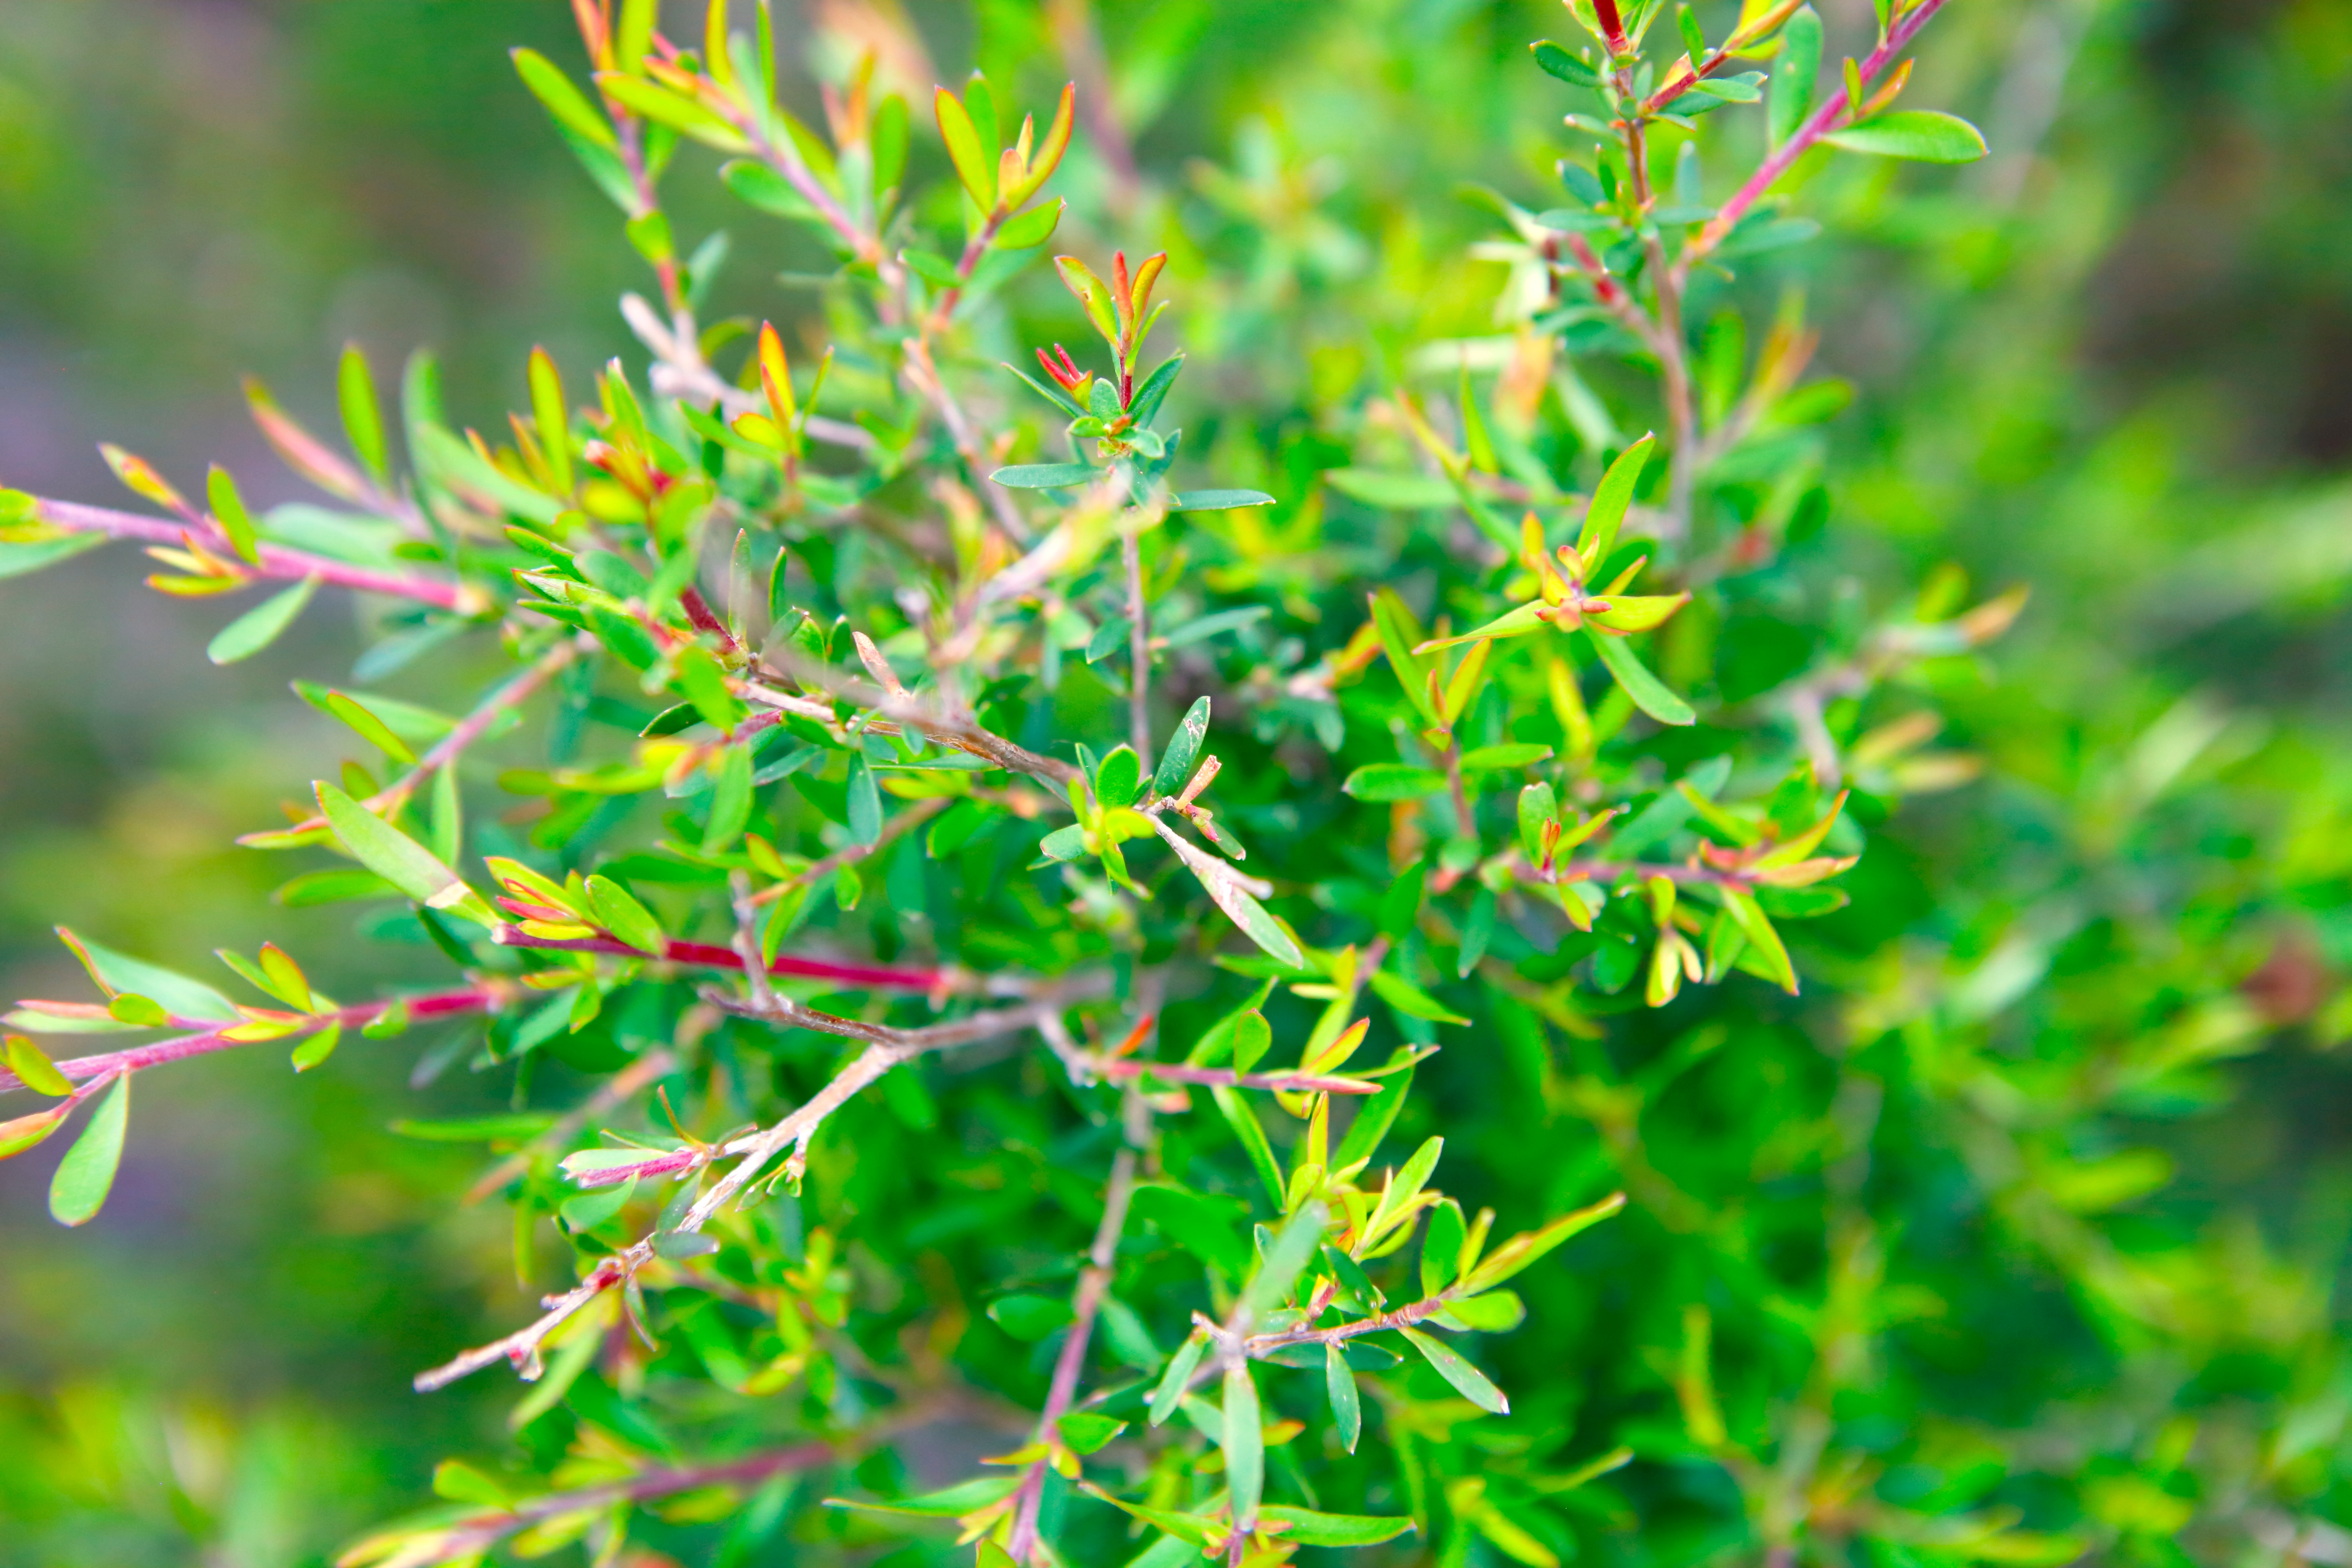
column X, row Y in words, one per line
column 1319, row 954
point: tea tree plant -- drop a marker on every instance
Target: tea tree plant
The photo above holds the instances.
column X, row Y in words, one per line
column 904, row 705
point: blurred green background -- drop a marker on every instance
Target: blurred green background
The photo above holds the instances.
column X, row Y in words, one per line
column 2114, row 360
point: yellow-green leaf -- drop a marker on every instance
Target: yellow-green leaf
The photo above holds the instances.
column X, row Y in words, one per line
column 86, row 1174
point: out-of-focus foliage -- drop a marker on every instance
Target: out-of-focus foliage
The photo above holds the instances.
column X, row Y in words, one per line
column 2014, row 1239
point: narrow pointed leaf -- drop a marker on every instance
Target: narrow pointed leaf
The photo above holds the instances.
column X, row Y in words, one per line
column 1309, row 1528
column 1245, row 1444
column 261, row 626
column 1610, row 498
column 1347, row 1409
column 33, row 1068
column 1466, row 1379
column 86, row 1174
column 1183, row 750
column 1650, row 694
column 1241, row 906
column 1045, row 475
column 1920, row 134
column 398, row 858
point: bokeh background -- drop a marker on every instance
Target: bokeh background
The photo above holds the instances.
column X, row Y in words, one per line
column 2114, row 360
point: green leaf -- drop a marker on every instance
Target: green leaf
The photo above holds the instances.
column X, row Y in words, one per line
column 1152, row 391
column 1693, row 37
column 1217, row 501
column 1045, row 475
column 228, row 511
column 1201, row 628
column 1119, row 778
column 20, row 1134
column 618, row 911
column 1387, row 782
column 1245, row 1123
column 371, row 729
column 592, row 1208
column 1495, row 1312
column 116, row 973
column 699, row 675
column 1558, row 62
column 261, row 626
column 949, row 1503
column 1347, row 1407
column 1399, row 632
column 1757, row 927
column 1922, row 135
column 564, row 101
column 1741, row 89
column 974, row 163
column 1179, row 1375
column 1183, row 749
column 1392, row 492
column 1516, row 623
column 1373, row 1121
column 1440, row 1247
column 730, row 802
column 864, row 801
column 1245, row 1444
column 398, row 858
column 363, row 414
column 1033, row 228
column 1251, row 1039
column 1029, row 1317
column 1649, row 693
column 1399, row 909
column 673, row 109
column 1293, row 1249
column 1186, row 1531
column 1241, row 906
column 86, row 1174
column 1537, row 806
column 1487, row 759
column 1793, row 75
column 317, row 1046
column 18, row 559
column 512, row 1126
column 1047, row 389
column 1086, row 1431
column 139, row 1012
column 1210, row 1229
column 1514, row 1254
column 1467, row 1380
column 334, row 887
column 33, row 1068
column 461, row 1483
column 450, row 461
column 1311, row 1529
column 1611, row 499
column 1410, row 999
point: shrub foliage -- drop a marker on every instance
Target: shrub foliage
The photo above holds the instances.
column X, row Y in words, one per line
column 1010, row 941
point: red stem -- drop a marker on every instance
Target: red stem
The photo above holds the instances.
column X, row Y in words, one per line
column 436, row 1004
column 1816, row 125
column 881, row 976
column 461, row 597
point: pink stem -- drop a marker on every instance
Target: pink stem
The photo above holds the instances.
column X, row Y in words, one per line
column 881, row 976
column 1816, row 125
column 460, row 597
column 437, row 1005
